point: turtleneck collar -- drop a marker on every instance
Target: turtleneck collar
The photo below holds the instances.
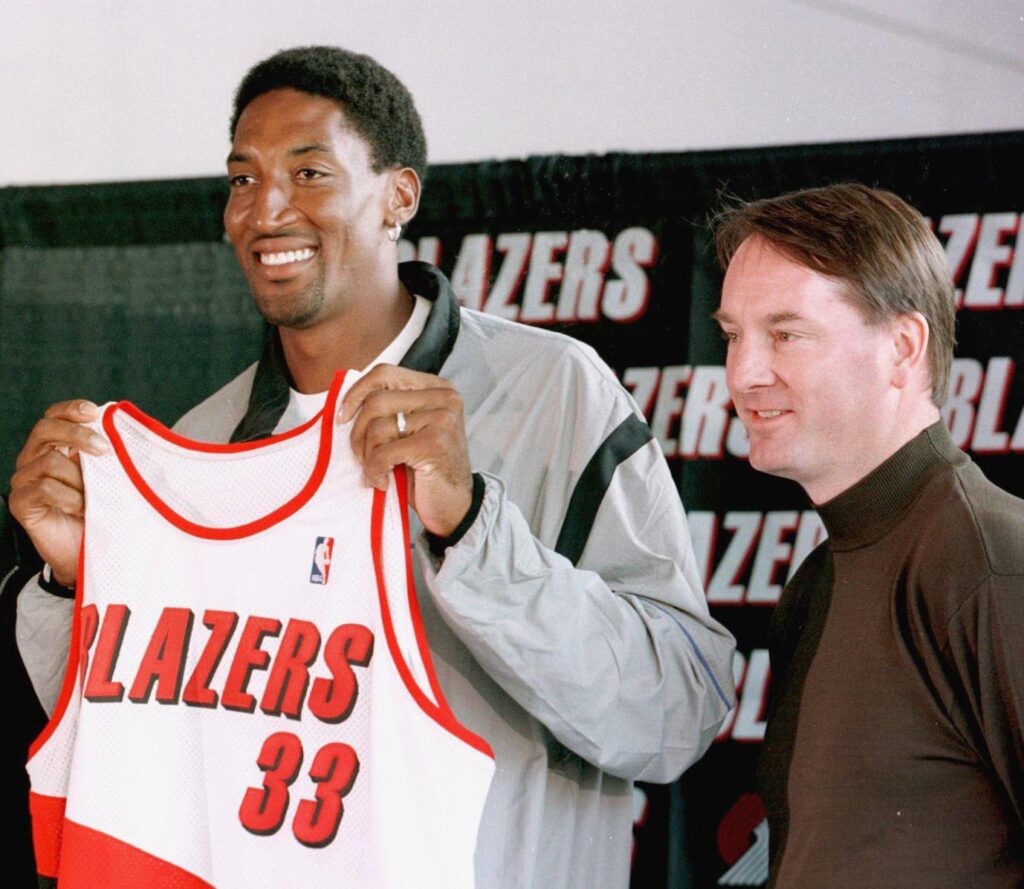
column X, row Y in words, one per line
column 867, row 511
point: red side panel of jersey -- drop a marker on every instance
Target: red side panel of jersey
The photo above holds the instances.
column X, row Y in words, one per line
column 91, row 858
column 47, row 823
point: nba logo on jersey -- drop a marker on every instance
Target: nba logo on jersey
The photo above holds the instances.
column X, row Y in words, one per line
column 321, row 560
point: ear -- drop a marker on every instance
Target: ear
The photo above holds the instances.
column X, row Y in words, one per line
column 404, row 195
column 910, row 340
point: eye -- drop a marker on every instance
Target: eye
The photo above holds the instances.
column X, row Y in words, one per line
column 239, row 180
column 308, row 174
column 730, row 336
column 783, row 336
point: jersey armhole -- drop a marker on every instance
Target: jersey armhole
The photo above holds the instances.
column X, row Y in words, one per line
column 432, row 702
column 74, row 666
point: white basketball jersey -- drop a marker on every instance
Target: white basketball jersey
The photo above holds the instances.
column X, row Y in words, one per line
column 250, row 700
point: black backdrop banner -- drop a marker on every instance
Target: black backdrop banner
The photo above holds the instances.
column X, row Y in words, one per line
column 130, row 291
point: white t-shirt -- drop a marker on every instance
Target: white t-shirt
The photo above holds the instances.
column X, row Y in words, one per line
column 303, row 407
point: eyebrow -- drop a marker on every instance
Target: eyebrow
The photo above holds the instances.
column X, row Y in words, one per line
column 239, row 157
column 309, row 148
column 774, row 318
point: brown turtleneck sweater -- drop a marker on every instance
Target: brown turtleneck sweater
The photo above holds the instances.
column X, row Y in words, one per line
column 894, row 755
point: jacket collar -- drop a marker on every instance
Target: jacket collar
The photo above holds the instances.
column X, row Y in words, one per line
column 269, row 395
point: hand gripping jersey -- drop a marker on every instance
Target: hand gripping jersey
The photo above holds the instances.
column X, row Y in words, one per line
column 250, row 700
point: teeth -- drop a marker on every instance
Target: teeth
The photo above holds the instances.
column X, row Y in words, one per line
column 768, row 414
column 287, row 256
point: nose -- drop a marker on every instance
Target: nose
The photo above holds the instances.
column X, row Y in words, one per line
column 749, row 365
column 272, row 207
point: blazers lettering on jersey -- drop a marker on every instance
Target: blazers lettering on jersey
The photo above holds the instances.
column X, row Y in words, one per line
column 292, row 668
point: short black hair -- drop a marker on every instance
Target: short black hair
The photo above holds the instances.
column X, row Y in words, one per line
column 375, row 102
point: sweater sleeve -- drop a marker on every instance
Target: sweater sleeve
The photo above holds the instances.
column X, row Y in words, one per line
column 986, row 658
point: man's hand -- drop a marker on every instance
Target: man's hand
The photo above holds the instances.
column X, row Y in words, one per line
column 47, row 494
column 433, row 445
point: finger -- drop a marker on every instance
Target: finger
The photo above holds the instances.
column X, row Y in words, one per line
column 430, row 445
column 385, row 405
column 77, row 410
column 443, row 491
column 381, row 431
column 383, row 459
column 53, row 433
column 386, row 377
column 384, row 429
column 51, row 464
column 35, row 500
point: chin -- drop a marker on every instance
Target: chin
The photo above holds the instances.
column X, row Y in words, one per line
column 770, row 464
column 298, row 313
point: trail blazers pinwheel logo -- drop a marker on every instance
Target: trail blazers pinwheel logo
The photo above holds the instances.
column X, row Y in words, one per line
column 743, row 843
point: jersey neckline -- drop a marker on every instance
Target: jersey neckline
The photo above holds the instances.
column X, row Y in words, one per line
column 325, row 417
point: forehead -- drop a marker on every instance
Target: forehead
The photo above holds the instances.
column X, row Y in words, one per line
column 761, row 281
column 285, row 118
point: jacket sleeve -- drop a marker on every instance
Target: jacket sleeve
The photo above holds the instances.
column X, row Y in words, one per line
column 44, row 637
column 41, row 621
column 611, row 646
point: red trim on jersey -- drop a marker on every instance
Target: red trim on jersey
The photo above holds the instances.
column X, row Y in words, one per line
column 440, row 712
column 414, row 602
column 91, row 858
column 47, row 824
column 215, row 447
column 71, row 670
column 326, row 418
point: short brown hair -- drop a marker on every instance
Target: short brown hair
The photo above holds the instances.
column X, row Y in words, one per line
column 879, row 246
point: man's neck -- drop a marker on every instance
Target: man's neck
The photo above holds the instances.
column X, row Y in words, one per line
column 349, row 340
column 908, row 425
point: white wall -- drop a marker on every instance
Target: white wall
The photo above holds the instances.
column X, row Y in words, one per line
column 95, row 90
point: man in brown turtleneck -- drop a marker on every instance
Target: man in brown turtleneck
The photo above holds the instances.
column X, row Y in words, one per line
column 894, row 754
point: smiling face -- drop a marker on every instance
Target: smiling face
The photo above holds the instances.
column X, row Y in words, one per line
column 306, row 212
column 811, row 380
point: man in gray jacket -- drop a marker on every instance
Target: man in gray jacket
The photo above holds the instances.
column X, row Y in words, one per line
column 555, row 573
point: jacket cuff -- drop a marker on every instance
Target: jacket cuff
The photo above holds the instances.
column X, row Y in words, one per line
column 48, row 585
column 438, row 545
